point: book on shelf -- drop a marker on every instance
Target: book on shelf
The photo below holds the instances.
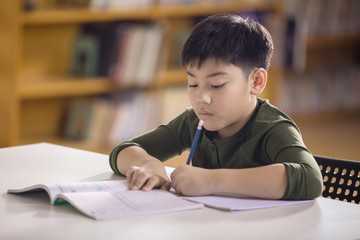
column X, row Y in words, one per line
column 85, row 56
column 124, row 119
column 78, row 121
column 106, row 34
column 111, row 199
column 132, row 55
column 188, row 2
column 112, row 119
column 322, row 90
column 128, row 53
column 116, row 65
column 137, row 112
column 180, row 38
column 314, row 20
column 276, row 25
column 138, row 54
column 109, row 120
column 324, row 16
column 100, row 120
column 123, row 4
column 149, row 60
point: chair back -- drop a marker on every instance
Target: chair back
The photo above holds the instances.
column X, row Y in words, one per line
column 341, row 179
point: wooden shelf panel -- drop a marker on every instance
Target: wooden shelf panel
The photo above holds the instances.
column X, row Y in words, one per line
column 68, row 87
column 332, row 41
column 207, row 8
column 46, row 17
column 65, row 88
column 172, row 77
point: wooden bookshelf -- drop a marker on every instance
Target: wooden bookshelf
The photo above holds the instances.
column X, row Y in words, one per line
column 35, row 48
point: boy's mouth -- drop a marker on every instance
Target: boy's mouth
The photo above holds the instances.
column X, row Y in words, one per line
column 203, row 115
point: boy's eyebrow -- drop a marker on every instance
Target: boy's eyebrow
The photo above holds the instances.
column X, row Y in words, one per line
column 208, row 76
column 216, row 74
column 190, row 74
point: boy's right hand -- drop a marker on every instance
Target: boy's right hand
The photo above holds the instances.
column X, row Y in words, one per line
column 142, row 171
column 142, row 178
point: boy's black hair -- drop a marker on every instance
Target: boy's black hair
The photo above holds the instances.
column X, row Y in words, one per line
column 231, row 39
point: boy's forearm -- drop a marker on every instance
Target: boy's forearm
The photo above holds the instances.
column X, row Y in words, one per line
column 267, row 182
column 136, row 156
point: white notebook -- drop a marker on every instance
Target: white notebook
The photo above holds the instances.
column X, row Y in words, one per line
column 111, row 199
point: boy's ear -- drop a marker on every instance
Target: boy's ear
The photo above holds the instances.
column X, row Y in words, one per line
column 258, row 80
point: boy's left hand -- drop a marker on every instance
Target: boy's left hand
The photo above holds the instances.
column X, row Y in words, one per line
column 191, row 181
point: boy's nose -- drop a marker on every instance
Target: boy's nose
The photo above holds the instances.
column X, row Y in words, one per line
column 203, row 97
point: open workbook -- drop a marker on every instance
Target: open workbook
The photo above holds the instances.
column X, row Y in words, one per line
column 111, row 199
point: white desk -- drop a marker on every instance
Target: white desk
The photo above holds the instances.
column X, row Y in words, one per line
column 32, row 217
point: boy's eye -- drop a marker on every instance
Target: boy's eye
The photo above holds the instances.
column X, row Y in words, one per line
column 218, row 86
column 192, row 85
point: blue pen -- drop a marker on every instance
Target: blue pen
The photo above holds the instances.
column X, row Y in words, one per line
column 196, row 138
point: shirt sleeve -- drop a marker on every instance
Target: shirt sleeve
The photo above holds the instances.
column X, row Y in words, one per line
column 163, row 143
column 285, row 145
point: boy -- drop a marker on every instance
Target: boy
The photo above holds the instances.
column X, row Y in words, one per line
column 247, row 146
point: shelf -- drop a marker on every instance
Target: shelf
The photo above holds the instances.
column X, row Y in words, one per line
column 49, row 17
column 334, row 115
column 65, row 88
column 37, row 90
column 173, row 77
column 327, row 41
column 207, row 8
column 68, row 87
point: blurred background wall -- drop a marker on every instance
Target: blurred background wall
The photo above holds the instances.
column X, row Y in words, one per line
column 92, row 73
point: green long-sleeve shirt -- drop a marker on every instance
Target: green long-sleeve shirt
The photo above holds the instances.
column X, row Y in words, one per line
column 269, row 137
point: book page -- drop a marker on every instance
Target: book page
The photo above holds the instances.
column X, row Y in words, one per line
column 75, row 187
column 109, row 205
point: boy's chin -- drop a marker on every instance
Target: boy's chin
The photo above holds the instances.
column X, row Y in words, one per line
column 210, row 127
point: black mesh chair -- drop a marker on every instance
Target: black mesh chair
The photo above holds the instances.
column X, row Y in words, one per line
column 341, row 179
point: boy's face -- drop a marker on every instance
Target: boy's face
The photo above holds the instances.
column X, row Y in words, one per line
column 221, row 96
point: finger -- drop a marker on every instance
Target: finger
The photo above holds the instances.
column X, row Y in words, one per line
column 130, row 174
column 173, row 184
column 150, row 183
column 141, row 179
column 134, row 178
column 166, row 186
column 175, row 178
